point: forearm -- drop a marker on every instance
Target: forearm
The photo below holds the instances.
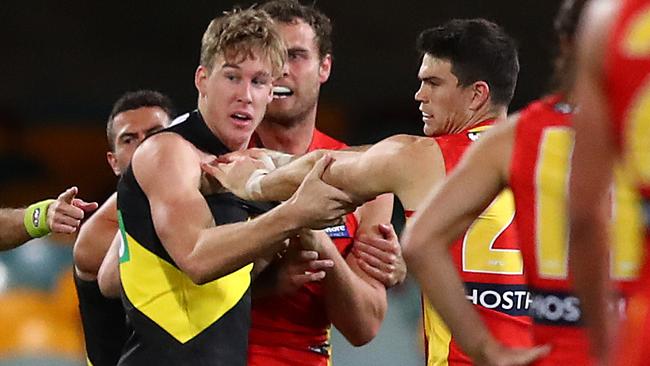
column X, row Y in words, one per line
column 224, row 249
column 434, row 270
column 12, row 228
column 356, row 304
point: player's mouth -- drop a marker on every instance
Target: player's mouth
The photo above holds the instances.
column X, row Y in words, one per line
column 426, row 117
column 281, row 92
column 241, row 118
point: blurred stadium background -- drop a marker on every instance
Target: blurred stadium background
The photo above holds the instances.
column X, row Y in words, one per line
column 64, row 63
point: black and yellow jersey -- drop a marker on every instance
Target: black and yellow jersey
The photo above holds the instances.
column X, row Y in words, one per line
column 171, row 320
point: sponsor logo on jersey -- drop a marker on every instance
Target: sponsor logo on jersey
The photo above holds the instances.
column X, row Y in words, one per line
column 513, row 300
column 563, row 308
column 339, row 231
column 556, row 308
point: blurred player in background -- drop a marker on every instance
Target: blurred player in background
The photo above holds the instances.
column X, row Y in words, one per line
column 135, row 115
column 613, row 124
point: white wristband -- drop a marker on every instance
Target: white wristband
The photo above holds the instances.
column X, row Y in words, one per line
column 253, row 186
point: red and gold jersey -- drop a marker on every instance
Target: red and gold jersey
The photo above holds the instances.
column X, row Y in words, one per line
column 627, row 84
column 294, row 329
column 490, row 264
column 539, row 177
column 627, row 87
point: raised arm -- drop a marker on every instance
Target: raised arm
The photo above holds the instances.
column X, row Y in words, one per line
column 184, row 223
column 442, row 218
column 403, row 165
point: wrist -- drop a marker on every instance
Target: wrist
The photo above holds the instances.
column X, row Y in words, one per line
column 289, row 214
column 35, row 219
column 253, row 187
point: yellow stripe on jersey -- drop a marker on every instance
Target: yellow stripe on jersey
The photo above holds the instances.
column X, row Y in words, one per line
column 626, row 229
column 438, row 336
column 637, row 135
column 552, row 179
column 168, row 297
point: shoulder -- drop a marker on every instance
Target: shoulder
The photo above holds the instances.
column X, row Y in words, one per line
column 409, row 144
column 166, row 157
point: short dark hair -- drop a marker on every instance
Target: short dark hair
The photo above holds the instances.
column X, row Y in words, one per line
column 478, row 50
column 133, row 100
column 287, row 11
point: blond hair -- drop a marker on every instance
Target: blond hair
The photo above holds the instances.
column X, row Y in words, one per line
column 237, row 34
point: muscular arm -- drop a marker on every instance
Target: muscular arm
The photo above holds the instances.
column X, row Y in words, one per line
column 376, row 247
column 184, row 224
column 95, row 237
column 591, row 177
column 403, row 165
column 444, row 216
column 355, row 302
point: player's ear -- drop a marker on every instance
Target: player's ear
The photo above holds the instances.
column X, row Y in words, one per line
column 201, row 79
column 325, row 68
column 112, row 161
column 480, row 95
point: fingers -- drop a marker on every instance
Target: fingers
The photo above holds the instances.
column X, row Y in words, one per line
column 214, row 170
column 526, row 356
column 64, row 218
column 68, row 195
column 379, row 254
column 374, row 272
column 319, row 168
column 87, row 207
column 387, row 231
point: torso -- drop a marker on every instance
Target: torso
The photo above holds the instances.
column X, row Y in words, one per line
column 172, row 320
column 294, row 329
column 490, row 264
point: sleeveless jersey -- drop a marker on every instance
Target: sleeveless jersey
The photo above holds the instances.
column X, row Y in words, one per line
column 539, row 173
column 173, row 321
column 626, row 83
column 488, row 259
column 294, row 329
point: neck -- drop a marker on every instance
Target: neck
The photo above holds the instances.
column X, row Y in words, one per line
column 232, row 145
column 486, row 113
column 293, row 138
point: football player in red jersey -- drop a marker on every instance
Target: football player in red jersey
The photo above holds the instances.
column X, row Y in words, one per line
column 612, row 90
column 468, row 73
column 290, row 323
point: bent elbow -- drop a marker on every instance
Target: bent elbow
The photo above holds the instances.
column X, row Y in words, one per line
column 361, row 337
column 85, row 260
